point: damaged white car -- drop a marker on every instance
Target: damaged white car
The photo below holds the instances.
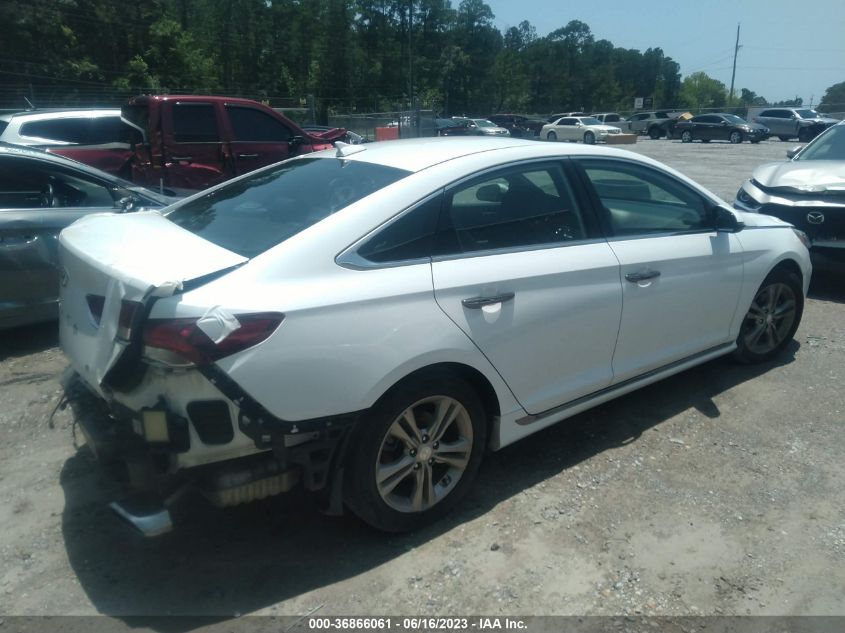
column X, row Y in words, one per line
column 368, row 321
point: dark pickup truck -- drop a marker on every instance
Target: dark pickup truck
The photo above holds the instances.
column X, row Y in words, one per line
column 192, row 142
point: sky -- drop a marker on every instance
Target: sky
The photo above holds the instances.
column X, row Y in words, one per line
column 788, row 48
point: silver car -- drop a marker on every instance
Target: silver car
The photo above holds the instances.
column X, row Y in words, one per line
column 40, row 194
column 788, row 123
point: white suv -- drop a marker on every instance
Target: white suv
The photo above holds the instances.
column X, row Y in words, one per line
column 65, row 127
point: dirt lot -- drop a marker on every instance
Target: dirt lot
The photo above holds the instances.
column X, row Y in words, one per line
column 719, row 491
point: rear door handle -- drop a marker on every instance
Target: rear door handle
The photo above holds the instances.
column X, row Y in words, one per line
column 642, row 276
column 475, row 303
column 247, row 155
column 181, row 158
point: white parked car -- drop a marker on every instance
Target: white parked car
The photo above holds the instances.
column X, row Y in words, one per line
column 583, row 128
column 368, row 321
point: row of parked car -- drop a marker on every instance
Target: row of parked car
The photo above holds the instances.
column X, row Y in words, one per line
column 405, row 280
column 803, row 124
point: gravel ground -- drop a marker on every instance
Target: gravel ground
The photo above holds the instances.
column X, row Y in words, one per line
column 718, row 491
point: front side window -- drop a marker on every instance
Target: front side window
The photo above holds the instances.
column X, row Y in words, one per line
column 251, row 215
column 640, row 200
column 28, row 184
column 524, row 206
column 249, row 124
column 194, row 123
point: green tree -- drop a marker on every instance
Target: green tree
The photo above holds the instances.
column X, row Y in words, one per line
column 834, row 98
column 699, row 91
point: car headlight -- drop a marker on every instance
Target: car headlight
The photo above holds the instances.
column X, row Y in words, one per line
column 746, row 200
column 803, row 237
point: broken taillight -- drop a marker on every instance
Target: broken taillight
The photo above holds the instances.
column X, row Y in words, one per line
column 183, row 338
column 96, row 304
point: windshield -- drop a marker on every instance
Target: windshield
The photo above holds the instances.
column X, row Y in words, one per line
column 250, row 216
column 735, row 119
column 828, row 146
column 590, row 120
column 808, row 114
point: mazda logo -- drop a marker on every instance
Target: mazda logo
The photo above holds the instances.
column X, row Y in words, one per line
column 815, row 217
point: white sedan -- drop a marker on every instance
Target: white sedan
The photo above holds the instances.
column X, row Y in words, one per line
column 583, row 128
column 367, row 321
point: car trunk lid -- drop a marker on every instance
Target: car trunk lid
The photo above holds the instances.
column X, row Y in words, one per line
column 112, row 267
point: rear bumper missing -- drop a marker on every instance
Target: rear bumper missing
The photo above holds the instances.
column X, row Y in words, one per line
column 150, row 445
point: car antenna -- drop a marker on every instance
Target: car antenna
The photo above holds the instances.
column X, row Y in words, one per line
column 347, row 149
column 29, row 105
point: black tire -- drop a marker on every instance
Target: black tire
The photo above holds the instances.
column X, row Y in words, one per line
column 772, row 318
column 736, row 137
column 376, row 444
column 551, row 136
column 755, row 141
column 805, row 135
column 686, row 136
column 654, row 132
column 705, row 140
column 589, row 138
column 784, row 138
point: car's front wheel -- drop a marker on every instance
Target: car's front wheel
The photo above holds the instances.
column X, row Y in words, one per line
column 735, row 137
column 654, row 132
column 686, row 136
column 416, row 454
column 551, row 136
column 589, row 138
column 772, row 318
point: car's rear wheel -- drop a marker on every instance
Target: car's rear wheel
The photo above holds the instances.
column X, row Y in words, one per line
column 551, row 136
column 735, row 137
column 415, row 456
column 589, row 138
column 686, row 136
column 772, row 318
column 784, row 138
column 654, row 132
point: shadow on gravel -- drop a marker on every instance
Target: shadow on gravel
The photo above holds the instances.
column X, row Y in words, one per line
column 29, row 339
column 222, row 563
column 828, row 285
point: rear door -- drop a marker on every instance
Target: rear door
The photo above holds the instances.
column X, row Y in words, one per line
column 37, row 200
column 258, row 139
column 681, row 277
column 195, row 155
column 523, row 272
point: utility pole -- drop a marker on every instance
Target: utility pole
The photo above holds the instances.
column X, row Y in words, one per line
column 733, row 72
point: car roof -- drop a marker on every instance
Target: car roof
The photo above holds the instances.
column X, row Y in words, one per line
column 418, row 154
column 38, row 115
column 11, row 149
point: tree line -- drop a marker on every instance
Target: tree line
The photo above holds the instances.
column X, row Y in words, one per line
column 352, row 55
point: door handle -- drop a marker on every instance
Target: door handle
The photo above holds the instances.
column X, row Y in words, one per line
column 181, row 158
column 17, row 240
column 247, row 155
column 635, row 277
column 475, row 303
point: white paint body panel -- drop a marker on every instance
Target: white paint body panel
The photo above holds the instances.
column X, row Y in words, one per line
column 349, row 335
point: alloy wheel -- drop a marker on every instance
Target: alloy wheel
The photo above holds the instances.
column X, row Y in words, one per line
column 770, row 318
column 424, row 453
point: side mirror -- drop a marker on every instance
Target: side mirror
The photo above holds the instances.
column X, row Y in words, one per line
column 790, row 153
column 490, row 193
column 728, row 222
column 126, row 204
column 724, row 122
column 296, row 140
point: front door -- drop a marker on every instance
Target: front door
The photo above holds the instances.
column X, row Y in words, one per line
column 681, row 277
column 524, row 273
column 257, row 138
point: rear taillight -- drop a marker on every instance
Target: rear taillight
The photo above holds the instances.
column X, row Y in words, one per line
column 96, row 304
column 183, row 338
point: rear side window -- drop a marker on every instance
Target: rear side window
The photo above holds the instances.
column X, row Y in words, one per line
column 29, row 184
column 75, row 131
column 249, row 124
column 409, row 237
column 267, row 207
column 518, row 207
column 194, row 123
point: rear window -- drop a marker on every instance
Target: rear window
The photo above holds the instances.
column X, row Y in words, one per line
column 252, row 215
